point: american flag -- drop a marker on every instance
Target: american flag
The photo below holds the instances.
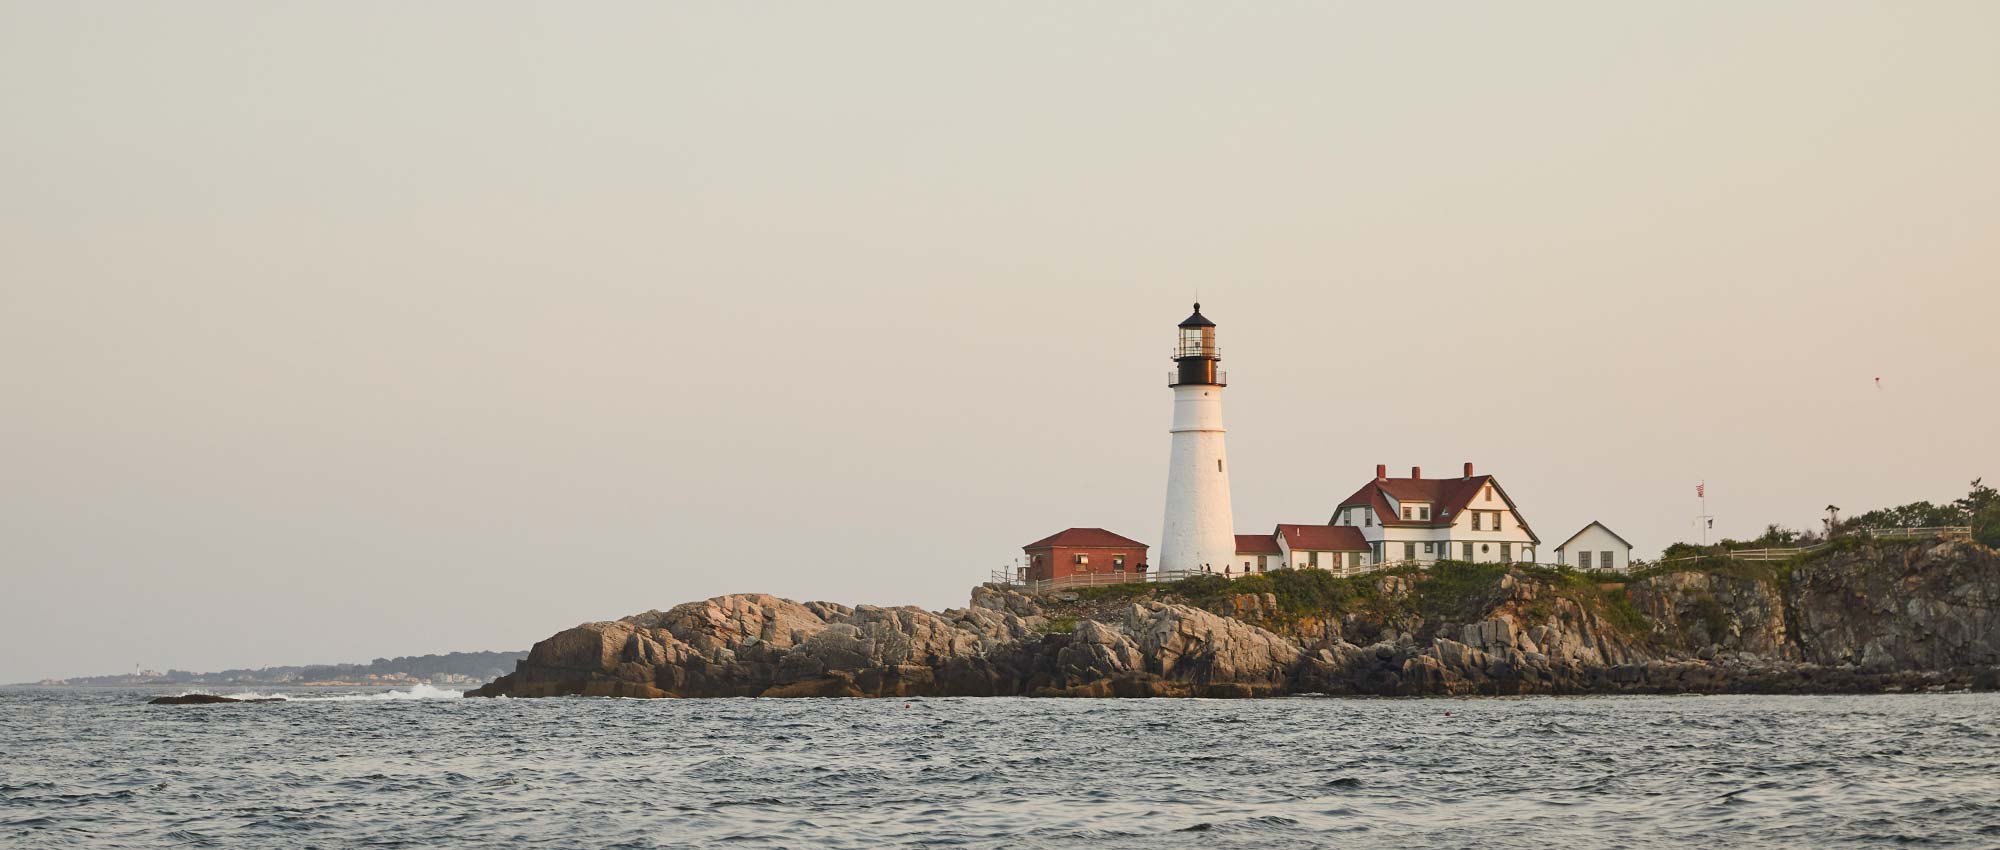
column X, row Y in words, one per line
column 1700, row 490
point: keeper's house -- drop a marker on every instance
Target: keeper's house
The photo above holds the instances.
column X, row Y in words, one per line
column 1084, row 551
column 1418, row 519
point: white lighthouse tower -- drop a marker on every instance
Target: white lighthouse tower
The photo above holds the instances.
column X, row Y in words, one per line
column 1200, row 532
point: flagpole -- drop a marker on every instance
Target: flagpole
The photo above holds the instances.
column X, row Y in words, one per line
column 1703, row 519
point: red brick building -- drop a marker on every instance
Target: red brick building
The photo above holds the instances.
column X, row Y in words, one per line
column 1081, row 551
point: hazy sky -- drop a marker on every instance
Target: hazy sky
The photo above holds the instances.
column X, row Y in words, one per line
column 330, row 331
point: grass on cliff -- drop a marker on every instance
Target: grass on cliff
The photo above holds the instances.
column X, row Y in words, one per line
column 1060, row 624
column 1770, row 572
column 1446, row 591
column 1299, row 593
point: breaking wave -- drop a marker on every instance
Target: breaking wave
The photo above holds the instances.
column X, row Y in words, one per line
column 418, row 691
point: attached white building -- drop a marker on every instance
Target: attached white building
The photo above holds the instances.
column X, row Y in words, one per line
column 1324, row 547
column 1596, row 547
column 1418, row 519
column 1304, row 547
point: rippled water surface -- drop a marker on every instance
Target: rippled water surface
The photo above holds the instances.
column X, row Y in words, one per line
column 97, row 768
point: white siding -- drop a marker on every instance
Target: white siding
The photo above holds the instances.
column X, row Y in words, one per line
column 1596, row 540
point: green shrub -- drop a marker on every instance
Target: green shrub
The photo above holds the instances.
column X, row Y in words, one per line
column 1204, row 586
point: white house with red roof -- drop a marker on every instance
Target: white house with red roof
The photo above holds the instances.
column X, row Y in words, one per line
column 1418, row 519
column 1334, row 548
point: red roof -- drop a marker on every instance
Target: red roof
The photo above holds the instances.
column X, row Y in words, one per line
column 1086, row 538
column 1323, row 538
column 1447, row 497
column 1257, row 544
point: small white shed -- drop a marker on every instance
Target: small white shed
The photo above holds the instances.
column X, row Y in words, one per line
column 1596, row 547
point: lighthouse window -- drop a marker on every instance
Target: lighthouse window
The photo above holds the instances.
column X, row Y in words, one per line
column 1218, row 464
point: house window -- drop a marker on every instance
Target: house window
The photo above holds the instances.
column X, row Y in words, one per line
column 1409, row 551
column 1583, row 559
column 1489, row 492
column 1312, row 559
column 1082, row 558
column 1475, row 520
column 1507, row 553
column 1368, row 519
column 1406, row 511
column 1261, row 562
column 1118, row 564
column 1604, row 560
column 1496, row 522
column 1428, row 550
column 1375, row 549
column 1468, row 548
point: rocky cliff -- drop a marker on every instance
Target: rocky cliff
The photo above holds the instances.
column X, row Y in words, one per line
column 1854, row 619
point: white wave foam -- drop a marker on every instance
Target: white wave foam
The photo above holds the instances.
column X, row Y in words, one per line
column 418, row 691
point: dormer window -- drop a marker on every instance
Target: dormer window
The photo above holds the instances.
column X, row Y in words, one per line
column 1406, row 512
column 1423, row 512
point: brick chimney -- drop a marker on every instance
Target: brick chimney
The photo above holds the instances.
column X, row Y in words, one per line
column 1468, row 469
column 1416, row 472
column 1381, row 472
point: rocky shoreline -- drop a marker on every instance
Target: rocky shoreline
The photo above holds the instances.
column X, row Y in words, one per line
column 1866, row 618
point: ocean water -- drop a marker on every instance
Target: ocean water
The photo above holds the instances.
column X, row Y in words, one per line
column 99, row 769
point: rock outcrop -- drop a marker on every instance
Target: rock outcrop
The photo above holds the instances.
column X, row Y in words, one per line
column 1868, row 618
column 206, row 699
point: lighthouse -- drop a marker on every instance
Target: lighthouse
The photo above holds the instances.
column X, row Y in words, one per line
column 1200, row 531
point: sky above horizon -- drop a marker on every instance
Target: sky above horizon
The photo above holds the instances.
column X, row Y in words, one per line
column 336, row 331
